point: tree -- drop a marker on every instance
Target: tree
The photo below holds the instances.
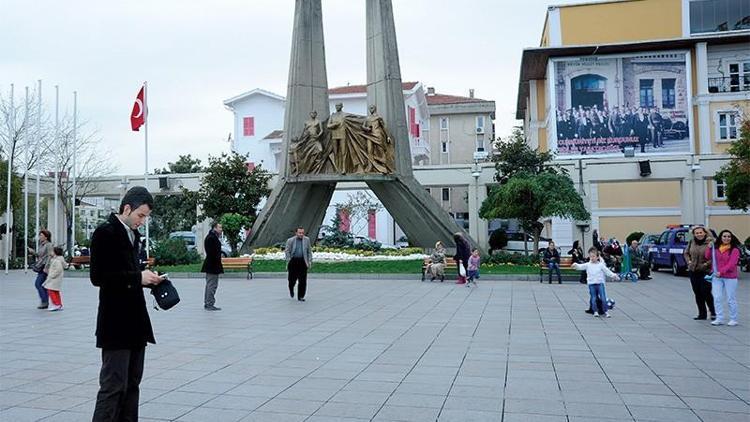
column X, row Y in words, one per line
column 530, row 188
column 359, row 206
column 736, row 173
column 229, row 187
column 176, row 212
column 232, row 224
column 334, row 236
column 514, row 156
column 184, row 164
column 531, row 197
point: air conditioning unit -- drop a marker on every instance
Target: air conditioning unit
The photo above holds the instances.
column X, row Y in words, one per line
column 480, row 130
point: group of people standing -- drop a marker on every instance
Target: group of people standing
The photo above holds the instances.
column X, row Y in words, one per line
column 49, row 266
column 712, row 265
column 647, row 124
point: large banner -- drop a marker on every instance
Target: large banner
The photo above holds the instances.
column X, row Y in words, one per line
column 610, row 105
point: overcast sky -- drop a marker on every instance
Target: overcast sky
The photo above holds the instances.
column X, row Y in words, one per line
column 195, row 54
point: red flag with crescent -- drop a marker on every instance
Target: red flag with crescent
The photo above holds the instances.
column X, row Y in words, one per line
column 138, row 115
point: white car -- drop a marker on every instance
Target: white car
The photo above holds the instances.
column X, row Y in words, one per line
column 515, row 242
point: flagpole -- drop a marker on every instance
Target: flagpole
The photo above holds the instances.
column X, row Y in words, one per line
column 73, row 172
column 7, row 197
column 38, row 164
column 145, row 174
column 26, row 189
column 57, row 134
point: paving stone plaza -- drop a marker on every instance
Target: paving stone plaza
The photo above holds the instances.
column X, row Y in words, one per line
column 389, row 350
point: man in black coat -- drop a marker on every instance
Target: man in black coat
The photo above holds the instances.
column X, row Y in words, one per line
column 212, row 266
column 122, row 325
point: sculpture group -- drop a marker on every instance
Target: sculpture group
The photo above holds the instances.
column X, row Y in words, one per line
column 344, row 144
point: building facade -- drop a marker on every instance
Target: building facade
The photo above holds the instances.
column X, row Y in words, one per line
column 640, row 101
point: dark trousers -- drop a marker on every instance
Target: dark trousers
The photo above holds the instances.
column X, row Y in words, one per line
column 702, row 291
column 119, row 382
column 644, row 271
column 582, row 279
column 41, row 277
column 212, row 283
column 554, row 266
column 297, row 269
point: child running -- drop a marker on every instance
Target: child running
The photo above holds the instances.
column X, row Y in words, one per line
column 596, row 274
column 472, row 272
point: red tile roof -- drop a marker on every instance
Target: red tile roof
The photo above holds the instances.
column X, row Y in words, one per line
column 359, row 89
column 438, row 99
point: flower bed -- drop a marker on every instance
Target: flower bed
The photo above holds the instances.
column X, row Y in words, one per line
column 343, row 256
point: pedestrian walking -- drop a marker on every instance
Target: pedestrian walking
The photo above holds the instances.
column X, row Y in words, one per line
column 53, row 284
column 41, row 266
column 123, row 326
column 463, row 252
column 596, row 275
column 212, row 266
column 472, row 271
column 298, row 253
column 724, row 256
column 698, row 267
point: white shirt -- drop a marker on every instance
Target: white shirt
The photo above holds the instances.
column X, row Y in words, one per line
column 596, row 272
column 129, row 231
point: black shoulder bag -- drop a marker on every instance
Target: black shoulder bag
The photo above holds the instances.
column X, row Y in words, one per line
column 165, row 294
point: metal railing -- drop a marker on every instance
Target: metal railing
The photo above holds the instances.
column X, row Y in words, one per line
column 736, row 83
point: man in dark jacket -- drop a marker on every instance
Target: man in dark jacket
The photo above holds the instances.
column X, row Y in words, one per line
column 551, row 258
column 122, row 325
column 212, row 266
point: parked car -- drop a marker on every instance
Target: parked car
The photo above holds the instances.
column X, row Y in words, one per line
column 647, row 241
column 515, row 242
column 190, row 239
column 667, row 251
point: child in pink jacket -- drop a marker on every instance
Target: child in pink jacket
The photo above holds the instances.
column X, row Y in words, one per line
column 726, row 249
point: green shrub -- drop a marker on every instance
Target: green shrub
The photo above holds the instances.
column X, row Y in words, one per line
column 511, row 258
column 174, row 252
column 368, row 245
column 263, row 251
column 633, row 236
column 498, row 240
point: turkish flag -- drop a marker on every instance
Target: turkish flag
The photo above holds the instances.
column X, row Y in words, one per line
column 138, row 115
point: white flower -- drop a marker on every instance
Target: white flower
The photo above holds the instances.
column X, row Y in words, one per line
column 343, row 257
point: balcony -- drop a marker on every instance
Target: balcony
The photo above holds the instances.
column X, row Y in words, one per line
column 735, row 83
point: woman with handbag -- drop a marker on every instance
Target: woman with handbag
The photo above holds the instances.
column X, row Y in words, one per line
column 41, row 266
column 698, row 267
column 724, row 256
column 463, row 252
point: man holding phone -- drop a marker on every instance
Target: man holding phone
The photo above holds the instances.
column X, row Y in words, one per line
column 123, row 326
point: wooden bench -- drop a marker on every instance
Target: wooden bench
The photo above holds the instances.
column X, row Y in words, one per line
column 450, row 264
column 566, row 262
column 79, row 262
column 241, row 263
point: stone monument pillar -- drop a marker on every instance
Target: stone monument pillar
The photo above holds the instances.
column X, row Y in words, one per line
column 373, row 149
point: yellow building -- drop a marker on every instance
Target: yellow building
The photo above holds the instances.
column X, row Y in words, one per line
column 640, row 100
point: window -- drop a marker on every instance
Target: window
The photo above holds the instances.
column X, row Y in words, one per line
column 444, row 147
column 443, row 123
column 719, row 15
column 480, row 143
column 647, row 92
column 446, row 192
column 667, row 93
column 248, row 126
column 480, row 124
column 739, row 76
column 720, row 190
column 728, row 125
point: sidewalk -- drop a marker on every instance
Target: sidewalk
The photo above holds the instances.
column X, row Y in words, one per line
column 390, row 350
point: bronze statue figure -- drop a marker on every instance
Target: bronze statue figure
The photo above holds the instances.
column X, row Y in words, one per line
column 337, row 127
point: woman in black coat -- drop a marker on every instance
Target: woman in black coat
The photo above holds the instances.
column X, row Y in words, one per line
column 463, row 252
column 576, row 253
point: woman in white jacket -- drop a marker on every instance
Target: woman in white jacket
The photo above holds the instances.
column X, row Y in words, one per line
column 596, row 275
column 53, row 284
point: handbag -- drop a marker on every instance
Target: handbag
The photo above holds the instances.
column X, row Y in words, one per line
column 710, row 277
column 461, row 270
column 37, row 267
column 165, row 294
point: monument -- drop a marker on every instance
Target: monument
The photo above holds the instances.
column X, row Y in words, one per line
column 322, row 150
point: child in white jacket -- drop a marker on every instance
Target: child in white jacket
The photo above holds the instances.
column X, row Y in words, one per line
column 596, row 273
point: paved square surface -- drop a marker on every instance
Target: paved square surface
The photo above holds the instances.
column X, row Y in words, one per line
column 390, row 350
